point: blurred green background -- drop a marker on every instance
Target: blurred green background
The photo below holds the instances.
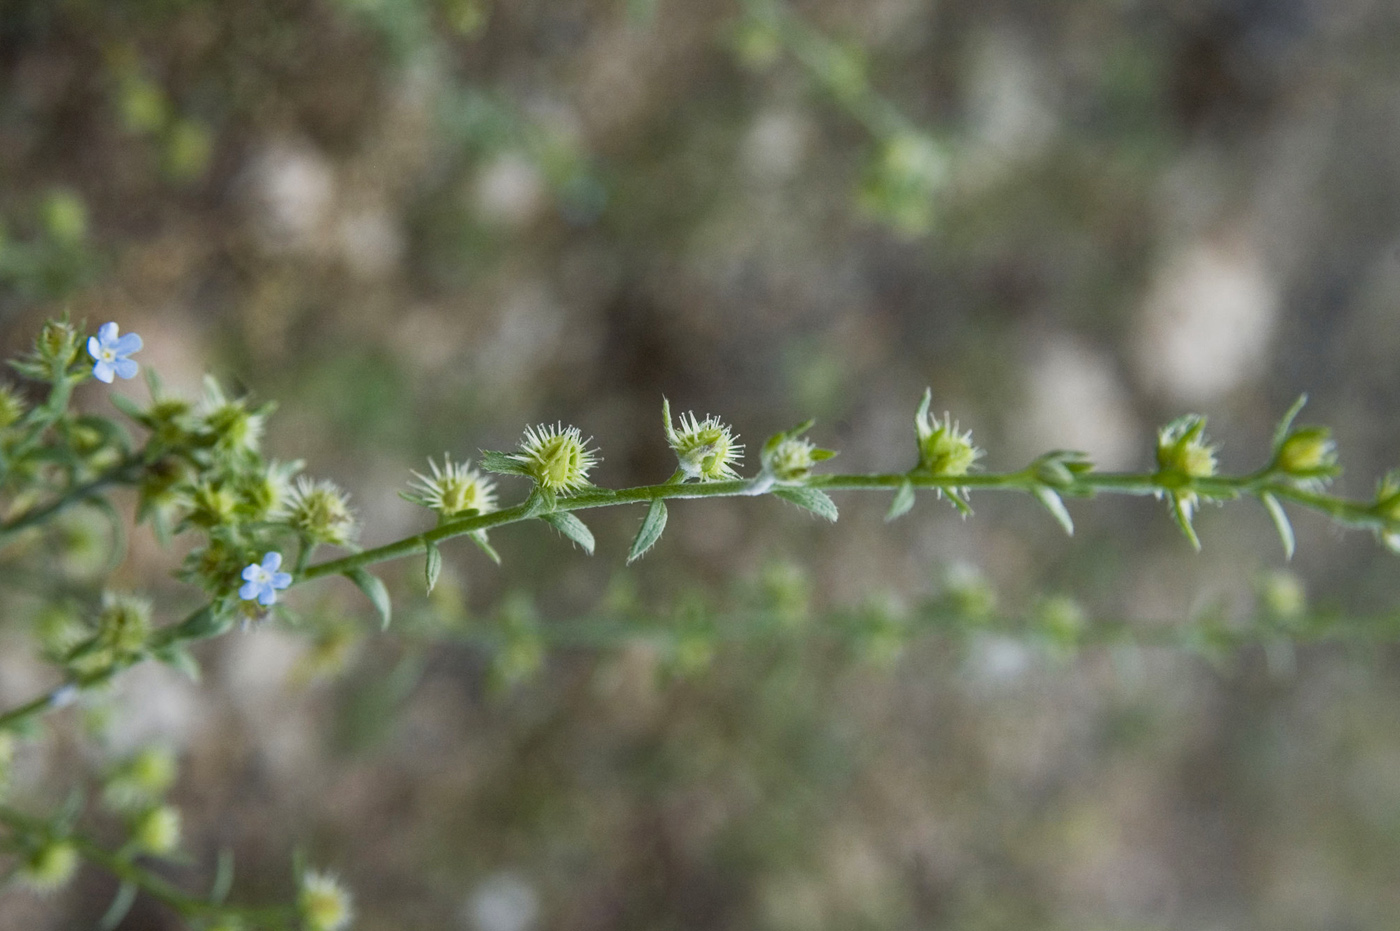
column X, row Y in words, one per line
column 419, row 225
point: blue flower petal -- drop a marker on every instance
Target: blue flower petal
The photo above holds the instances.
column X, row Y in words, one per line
column 103, row 371
column 281, row 580
column 268, row 596
column 272, row 561
column 107, row 333
column 127, row 344
column 126, row 368
column 250, row 573
column 249, row 591
column 94, row 347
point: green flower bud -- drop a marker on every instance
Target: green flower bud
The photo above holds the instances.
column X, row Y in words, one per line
column 1308, row 456
column 49, row 867
column 792, row 459
column 557, row 458
column 57, row 345
column 705, row 449
column 1062, row 619
column 231, row 428
column 264, row 495
column 321, row 512
column 12, row 406
column 212, row 504
column 172, row 421
column 323, row 903
column 944, row 449
column 140, row 780
column 157, row 830
column 1283, row 595
column 65, row 217
column 124, row 627
column 455, row 490
column 1182, row 452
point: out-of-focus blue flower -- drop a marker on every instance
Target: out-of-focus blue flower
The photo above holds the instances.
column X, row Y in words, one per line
column 111, row 352
column 261, row 582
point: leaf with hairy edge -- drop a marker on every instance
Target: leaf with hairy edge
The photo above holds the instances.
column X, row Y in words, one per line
column 375, row 591
column 223, row 877
column 121, row 905
column 903, row 501
column 1182, row 515
column 1056, row 506
column 1286, row 423
column 432, row 567
column 813, row 499
column 479, row 538
column 959, row 501
column 652, row 526
column 501, row 463
column 1281, row 523
column 571, row 527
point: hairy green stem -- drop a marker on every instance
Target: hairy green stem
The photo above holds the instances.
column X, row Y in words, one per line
column 128, row 871
column 1257, row 484
column 124, row 472
column 1092, row 483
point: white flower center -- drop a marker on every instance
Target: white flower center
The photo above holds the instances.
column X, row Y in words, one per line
column 108, row 354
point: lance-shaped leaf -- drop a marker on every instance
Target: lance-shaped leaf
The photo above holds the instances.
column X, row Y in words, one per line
column 1181, row 513
column 813, row 499
column 960, row 502
column 179, row 658
column 1055, row 505
column 903, row 501
column 1281, row 523
column 571, row 527
column 1286, row 423
column 479, row 538
column 375, row 591
column 501, row 463
column 432, row 566
column 223, row 877
column 650, row 531
column 121, row 905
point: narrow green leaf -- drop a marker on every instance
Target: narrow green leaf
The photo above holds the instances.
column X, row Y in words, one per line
column 127, row 406
column 376, row 592
column 813, row 499
column 571, row 527
column 1281, row 523
column 922, row 413
column 223, row 877
column 177, row 657
column 1182, row 515
column 117, row 911
column 432, row 567
column 204, row 623
column 501, row 463
column 959, row 502
column 479, row 538
column 118, row 525
column 652, row 526
column 1286, row 423
column 903, row 501
column 1056, row 506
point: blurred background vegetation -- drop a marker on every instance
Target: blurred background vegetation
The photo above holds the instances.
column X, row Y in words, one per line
column 419, row 225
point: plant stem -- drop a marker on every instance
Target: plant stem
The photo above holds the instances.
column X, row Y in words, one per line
column 1264, row 482
column 121, row 473
column 128, row 871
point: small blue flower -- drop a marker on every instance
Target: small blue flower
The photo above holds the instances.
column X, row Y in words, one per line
column 263, row 581
column 111, row 352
